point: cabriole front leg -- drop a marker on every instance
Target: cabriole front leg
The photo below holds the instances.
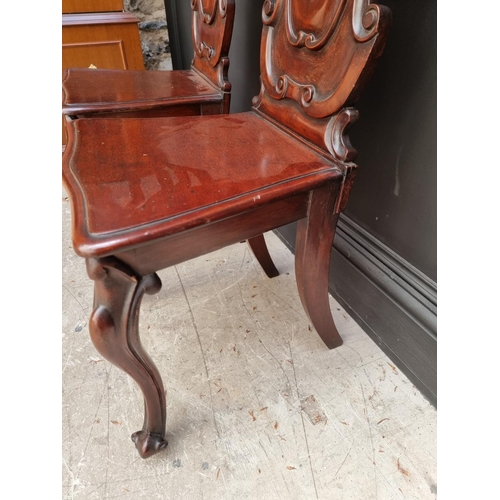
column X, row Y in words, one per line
column 114, row 330
column 313, row 248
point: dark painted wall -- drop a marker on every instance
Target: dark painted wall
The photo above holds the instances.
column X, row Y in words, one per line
column 394, row 196
column 179, row 32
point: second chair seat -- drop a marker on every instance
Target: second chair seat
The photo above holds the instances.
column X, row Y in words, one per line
column 100, row 91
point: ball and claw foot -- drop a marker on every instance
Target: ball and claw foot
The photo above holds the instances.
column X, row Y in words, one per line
column 148, row 444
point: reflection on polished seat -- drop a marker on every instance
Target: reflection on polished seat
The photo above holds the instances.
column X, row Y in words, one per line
column 147, row 194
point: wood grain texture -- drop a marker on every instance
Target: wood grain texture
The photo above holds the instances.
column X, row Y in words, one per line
column 315, row 238
column 87, row 91
column 140, row 185
column 315, row 59
column 97, row 18
column 79, row 6
column 96, row 30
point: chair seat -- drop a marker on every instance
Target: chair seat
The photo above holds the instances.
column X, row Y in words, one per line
column 135, row 179
column 101, row 91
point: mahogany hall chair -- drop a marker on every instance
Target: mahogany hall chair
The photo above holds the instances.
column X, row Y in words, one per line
column 147, row 194
column 202, row 90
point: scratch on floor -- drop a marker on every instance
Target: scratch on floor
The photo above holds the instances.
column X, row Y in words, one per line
column 251, row 314
column 107, row 444
column 230, row 286
column 95, row 415
column 74, row 482
column 371, row 439
column 303, row 424
column 202, row 353
column 74, row 296
column 342, row 464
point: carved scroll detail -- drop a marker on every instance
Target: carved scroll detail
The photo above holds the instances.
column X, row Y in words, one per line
column 336, row 139
column 222, row 8
column 208, row 17
column 309, row 40
column 257, row 100
column 270, row 11
column 286, row 87
column 222, row 72
column 114, row 326
column 205, row 50
column 365, row 20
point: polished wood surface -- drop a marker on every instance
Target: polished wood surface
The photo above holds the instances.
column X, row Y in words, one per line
column 150, row 193
column 86, row 92
column 94, row 18
column 79, row 6
column 129, row 176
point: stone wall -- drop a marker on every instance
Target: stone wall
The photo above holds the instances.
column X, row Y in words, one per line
column 153, row 32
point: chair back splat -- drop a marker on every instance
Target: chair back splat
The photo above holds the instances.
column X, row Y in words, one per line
column 315, row 59
column 212, row 28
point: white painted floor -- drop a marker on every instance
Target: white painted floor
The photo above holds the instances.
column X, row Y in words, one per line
column 258, row 407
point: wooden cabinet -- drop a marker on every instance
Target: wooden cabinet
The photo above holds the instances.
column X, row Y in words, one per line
column 106, row 40
column 79, row 6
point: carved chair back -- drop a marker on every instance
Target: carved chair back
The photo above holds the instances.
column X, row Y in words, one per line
column 315, row 57
column 211, row 30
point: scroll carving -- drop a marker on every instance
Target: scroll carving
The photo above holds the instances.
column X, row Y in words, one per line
column 209, row 13
column 336, row 139
column 222, row 71
column 205, row 50
column 269, row 11
column 316, row 57
column 365, row 20
column 286, row 87
column 304, row 38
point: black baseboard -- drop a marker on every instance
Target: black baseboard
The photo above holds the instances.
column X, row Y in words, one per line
column 392, row 301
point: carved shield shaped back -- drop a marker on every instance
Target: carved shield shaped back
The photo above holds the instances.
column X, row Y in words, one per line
column 209, row 18
column 314, row 52
column 212, row 26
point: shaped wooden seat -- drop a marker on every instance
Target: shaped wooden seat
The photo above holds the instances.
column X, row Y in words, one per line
column 147, row 194
column 105, row 92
